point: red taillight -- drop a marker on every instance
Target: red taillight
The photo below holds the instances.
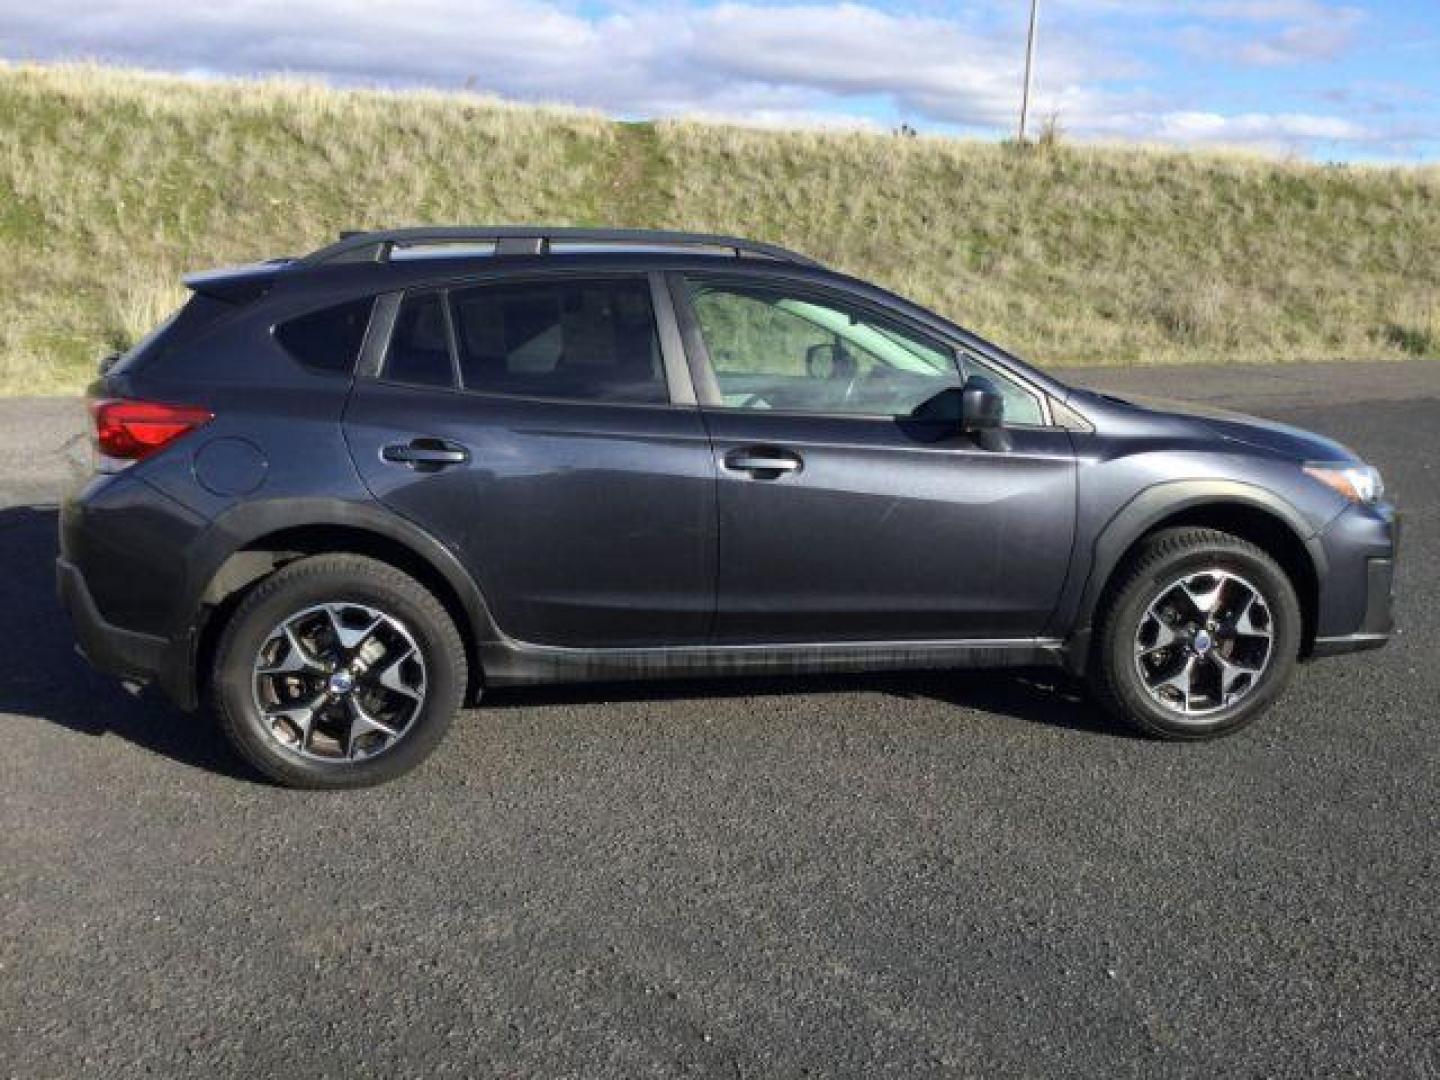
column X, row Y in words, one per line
column 131, row 430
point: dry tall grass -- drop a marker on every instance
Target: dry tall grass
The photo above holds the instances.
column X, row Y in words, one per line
column 113, row 183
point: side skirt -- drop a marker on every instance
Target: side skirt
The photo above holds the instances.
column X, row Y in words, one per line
column 517, row 663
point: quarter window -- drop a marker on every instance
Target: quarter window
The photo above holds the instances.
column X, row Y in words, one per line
column 328, row 339
column 581, row 340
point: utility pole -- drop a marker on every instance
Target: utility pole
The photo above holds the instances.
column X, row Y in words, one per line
column 1029, row 68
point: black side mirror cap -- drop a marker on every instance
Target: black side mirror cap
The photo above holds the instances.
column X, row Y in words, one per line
column 982, row 407
column 976, row 409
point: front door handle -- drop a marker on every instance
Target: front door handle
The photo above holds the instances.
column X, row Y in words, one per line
column 427, row 454
column 764, row 462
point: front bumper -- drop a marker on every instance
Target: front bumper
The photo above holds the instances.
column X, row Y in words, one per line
column 1378, row 622
column 1357, row 598
column 136, row 657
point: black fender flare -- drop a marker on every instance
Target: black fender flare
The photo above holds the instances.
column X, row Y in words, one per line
column 1148, row 508
column 245, row 523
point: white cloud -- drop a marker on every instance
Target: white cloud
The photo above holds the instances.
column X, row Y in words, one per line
column 733, row 58
column 1213, row 10
column 1259, row 33
column 1320, row 39
column 801, row 62
column 1251, row 127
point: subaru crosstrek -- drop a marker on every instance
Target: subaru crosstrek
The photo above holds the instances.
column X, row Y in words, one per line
column 338, row 495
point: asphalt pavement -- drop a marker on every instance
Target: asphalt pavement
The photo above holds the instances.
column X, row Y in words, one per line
column 906, row 875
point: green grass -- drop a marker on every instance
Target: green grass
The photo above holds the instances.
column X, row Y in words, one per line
column 114, row 183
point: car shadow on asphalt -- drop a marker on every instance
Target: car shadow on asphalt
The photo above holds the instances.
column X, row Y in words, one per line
column 42, row 676
column 1041, row 696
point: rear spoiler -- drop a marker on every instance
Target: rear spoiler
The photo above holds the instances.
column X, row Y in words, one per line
column 236, row 284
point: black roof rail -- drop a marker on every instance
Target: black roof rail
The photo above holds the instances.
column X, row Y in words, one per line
column 378, row 246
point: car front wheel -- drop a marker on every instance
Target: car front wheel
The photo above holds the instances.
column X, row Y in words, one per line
column 1197, row 637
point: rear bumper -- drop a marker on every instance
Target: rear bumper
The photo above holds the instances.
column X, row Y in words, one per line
column 142, row 658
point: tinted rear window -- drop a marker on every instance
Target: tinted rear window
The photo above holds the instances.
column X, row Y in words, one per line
column 198, row 315
column 582, row 340
column 328, row 339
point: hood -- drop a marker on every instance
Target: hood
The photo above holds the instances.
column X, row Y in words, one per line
column 1284, row 440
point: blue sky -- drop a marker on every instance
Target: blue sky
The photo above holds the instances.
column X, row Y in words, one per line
column 1329, row 79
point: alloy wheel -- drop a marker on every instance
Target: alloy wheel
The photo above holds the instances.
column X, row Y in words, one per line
column 1204, row 642
column 339, row 681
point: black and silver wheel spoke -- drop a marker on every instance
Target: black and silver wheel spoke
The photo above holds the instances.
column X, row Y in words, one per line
column 1180, row 682
column 1233, row 675
column 1204, row 642
column 1253, row 618
column 292, row 724
column 364, row 730
column 339, row 681
column 1157, row 634
column 393, row 677
column 1203, row 592
column 347, row 633
column 291, row 656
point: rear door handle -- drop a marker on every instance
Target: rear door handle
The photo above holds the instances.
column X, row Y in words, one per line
column 761, row 460
column 426, row 453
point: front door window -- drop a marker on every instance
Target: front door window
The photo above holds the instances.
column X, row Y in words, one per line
column 770, row 349
column 783, row 349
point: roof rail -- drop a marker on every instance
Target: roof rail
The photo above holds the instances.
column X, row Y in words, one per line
column 532, row 240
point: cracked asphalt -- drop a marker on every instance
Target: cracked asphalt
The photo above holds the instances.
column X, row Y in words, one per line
column 908, row 875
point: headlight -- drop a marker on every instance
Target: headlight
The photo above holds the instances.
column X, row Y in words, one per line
column 1358, row 483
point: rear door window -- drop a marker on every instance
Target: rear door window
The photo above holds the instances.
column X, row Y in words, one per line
column 585, row 340
column 419, row 350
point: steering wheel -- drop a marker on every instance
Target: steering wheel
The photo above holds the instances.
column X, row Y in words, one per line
column 873, row 380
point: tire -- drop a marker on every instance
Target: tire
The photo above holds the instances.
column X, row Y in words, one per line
column 285, row 648
column 1235, row 674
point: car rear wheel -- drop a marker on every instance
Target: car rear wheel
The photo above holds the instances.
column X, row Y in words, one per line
column 338, row 671
column 1197, row 637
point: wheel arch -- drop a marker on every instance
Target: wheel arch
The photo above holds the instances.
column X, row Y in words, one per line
column 1252, row 513
column 259, row 544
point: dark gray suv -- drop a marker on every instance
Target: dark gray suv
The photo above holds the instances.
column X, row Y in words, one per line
column 338, row 495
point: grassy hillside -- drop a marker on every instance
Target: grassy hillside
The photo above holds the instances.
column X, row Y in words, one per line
column 113, row 183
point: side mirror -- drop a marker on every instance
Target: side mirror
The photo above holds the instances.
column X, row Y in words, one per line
column 982, row 408
column 977, row 409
